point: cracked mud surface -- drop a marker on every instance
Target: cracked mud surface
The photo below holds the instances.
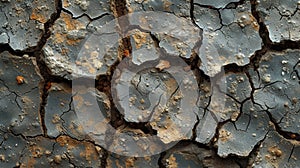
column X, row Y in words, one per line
column 216, row 83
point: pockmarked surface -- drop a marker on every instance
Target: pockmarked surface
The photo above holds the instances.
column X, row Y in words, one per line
column 144, row 83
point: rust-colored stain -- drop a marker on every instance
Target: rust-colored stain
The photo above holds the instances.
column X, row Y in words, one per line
column 275, row 151
column 224, row 135
column 126, row 53
column 48, row 85
column 254, row 24
column 70, row 24
column 66, row 3
column 293, row 136
column 130, row 162
column 67, row 142
column 172, row 162
column 36, row 15
column 89, row 153
column 140, row 39
column 167, row 5
column 59, row 38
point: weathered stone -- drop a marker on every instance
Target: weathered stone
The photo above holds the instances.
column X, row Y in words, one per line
column 20, row 83
column 19, row 19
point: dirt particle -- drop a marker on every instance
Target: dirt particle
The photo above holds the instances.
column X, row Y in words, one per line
column 267, row 78
column 172, row 162
column 130, row 162
column 47, row 152
column 66, row 3
column 275, row 151
column 234, row 116
column 2, row 158
column 20, row 80
column 67, row 142
column 224, row 135
column 140, row 38
column 294, row 100
column 48, row 86
column 126, row 53
column 293, row 136
column 57, row 159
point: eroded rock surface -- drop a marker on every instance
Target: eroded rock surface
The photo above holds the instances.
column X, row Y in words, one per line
column 276, row 151
column 61, row 52
column 229, row 36
column 279, row 88
column 175, row 83
column 27, row 19
column 282, row 19
column 21, row 85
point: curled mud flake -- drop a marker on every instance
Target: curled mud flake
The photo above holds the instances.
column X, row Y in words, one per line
column 206, row 18
column 92, row 8
column 143, row 47
column 4, row 39
column 60, row 117
column 20, row 109
column 228, row 42
column 21, row 19
column 247, row 127
column 156, row 97
column 177, row 7
column 279, row 91
column 179, row 41
column 68, row 41
column 64, row 43
column 215, row 4
column 282, row 19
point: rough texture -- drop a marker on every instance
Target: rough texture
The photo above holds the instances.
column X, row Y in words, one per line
column 279, row 91
column 230, row 36
column 276, row 151
column 59, row 113
column 116, row 161
column 92, row 8
column 67, row 40
column 251, row 127
column 282, row 19
column 21, row 19
column 215, row 4
column 172, row 41
column 175, row 83
column 20, row 83
column 199, row 157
